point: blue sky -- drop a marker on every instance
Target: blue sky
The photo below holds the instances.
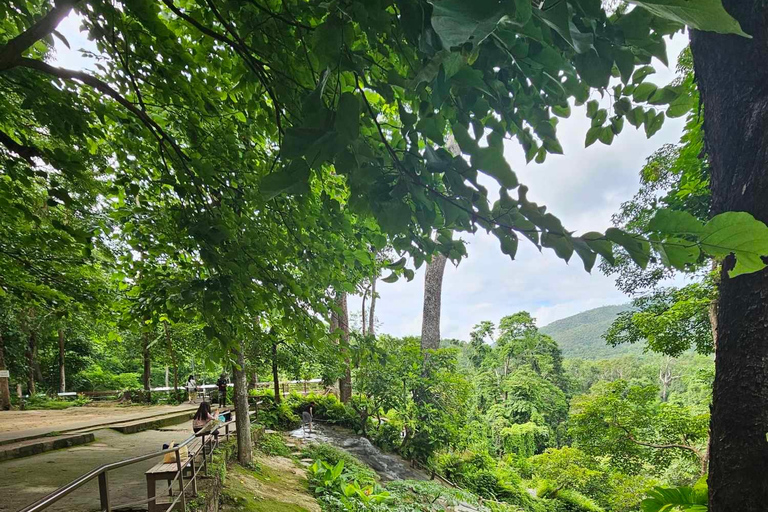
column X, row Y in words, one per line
column 583, row 187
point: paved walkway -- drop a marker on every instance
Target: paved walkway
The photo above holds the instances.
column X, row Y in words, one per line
column 23, row 424
column 25, row 480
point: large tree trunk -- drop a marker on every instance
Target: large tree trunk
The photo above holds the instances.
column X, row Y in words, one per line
column 345, row 383
column 243, row 423
column 275, row 376
column 433, row 289
column 147, row 376
column 5, row 391
column 371, row 331
column 62, row 371
column 732, row 76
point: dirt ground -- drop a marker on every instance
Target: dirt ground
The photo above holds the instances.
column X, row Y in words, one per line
column 278, row 485
column 30, row 478
column 18, row 423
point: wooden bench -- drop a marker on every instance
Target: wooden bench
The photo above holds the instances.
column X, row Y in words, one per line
column 168, row 472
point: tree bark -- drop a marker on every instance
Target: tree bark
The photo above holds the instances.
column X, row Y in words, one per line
column 345, row 382
column 371, row 331
column 732, row 76
column 147, row 376
column 175, row 365
column 363, row 316
column 31, row 355
column 433, row 289
column 5, row 391
column 242, row 421
column 275, row 376
column 62, row 370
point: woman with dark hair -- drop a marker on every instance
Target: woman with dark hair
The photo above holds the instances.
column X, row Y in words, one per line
column 202, row 417
column 192, row 389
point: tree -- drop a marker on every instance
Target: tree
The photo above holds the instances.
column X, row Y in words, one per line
column 734, row 100
column 629, row 423
column 242, row 419
column 433, row 289
column 5, row 392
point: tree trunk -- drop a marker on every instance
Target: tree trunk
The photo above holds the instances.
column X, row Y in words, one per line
column 242, row 421
column 5, row 391
column 345, row 383
column 363, row 316
column 433, row 289
column 175, row 365
column 371, row 330
column 31, row 361
column 147, row 376
column 62, row 371
column 732, row 77
column 275, row 376
column 167, row 376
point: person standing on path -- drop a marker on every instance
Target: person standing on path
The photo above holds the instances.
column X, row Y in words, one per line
column 222, row 385
column 192, row 389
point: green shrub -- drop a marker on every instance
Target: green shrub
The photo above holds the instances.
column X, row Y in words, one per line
column 332, row 455
column 44, row 402
column 387, row 435
column 273, row 445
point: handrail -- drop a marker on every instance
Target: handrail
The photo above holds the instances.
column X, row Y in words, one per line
column 61, row 492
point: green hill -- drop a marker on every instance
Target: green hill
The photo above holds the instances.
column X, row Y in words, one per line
column 581, row 335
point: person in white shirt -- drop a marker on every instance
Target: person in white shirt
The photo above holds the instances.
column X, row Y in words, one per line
column 192, row 389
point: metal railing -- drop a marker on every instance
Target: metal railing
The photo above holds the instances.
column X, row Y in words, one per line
column 102, row 473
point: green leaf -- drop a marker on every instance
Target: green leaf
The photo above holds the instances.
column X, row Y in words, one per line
column 587, row 255
column 592, row 107
column 637, row 248
column 640, row 73
column 293, row 178
column 391, row 278
column 643, row 91
column 397, row 265
column 348, row 117
column 595, row 70
column 598, row 243
column 606, row 135
column 678, row 252
column 458, row 21
column 738, row 233
column 706, row 15
column 653, row 123
column 555, row 14
column 675, row 222
column 592, row 135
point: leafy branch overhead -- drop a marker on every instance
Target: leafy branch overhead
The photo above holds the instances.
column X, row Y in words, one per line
column 267, row 148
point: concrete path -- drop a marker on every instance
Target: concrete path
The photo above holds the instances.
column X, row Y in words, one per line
column 23, row 481
column 18, row 425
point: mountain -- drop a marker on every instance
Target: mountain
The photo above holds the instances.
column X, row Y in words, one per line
column 581, row 335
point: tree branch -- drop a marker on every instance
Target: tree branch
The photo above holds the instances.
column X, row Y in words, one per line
column 25, row 152
column 11, row 52
column 105, row 88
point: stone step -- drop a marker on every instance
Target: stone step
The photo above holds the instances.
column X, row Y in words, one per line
column 131, row 427
column 43, row 444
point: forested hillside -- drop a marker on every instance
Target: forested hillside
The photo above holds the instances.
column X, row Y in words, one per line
column 581, row 335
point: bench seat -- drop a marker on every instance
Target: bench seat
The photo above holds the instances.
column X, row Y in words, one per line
column 167, row 472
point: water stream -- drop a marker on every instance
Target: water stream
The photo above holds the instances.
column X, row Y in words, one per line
column 388, row 466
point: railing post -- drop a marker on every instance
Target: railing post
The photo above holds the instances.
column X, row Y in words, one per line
column 205, row 459
column 181, row 481
column 104, row 492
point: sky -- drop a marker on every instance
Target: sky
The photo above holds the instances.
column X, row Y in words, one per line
column 583, row 187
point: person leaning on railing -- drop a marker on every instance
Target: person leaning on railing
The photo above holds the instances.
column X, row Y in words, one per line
column 202, row 417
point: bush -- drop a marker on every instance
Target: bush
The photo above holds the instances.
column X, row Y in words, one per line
column 387, row 435
column 44, row 402
column 273, row 445
column 332, row 455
